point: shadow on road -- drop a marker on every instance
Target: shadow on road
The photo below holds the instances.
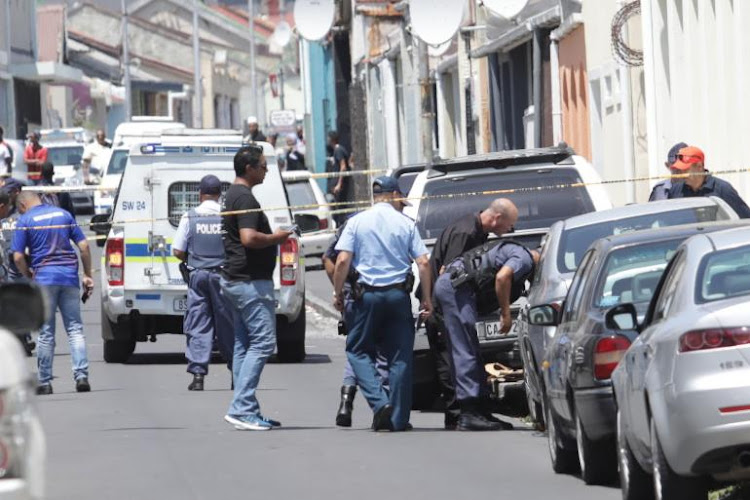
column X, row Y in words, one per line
column 178, row 358
column 310, row 359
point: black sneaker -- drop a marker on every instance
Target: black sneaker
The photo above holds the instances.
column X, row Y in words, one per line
column 470, row 421
column 82, row 385
column 381, row 421
column 507, row 426
column 44, row 390
column 197, row 383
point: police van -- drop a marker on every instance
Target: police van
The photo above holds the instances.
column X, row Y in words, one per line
column 143, row 293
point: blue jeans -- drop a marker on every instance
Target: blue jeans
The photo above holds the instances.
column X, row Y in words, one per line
column 383, row 318
column 67, row 300
column 253, row 305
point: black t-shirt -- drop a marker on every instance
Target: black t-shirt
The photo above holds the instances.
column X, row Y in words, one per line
column 339, row 153
column 458, row 237
column 245, row 263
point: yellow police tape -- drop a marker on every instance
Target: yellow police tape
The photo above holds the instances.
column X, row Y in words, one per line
column 344, row 206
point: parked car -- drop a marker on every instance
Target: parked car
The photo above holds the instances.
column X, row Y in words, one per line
column 65, row 149
column 406, row 176
column 682, row 388
column 110, row 181
column 579, row 359
column 314, row 219
column 460, row 186
column 565, row 245
column 22, row 445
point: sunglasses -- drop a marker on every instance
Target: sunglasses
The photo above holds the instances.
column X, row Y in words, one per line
column 687, row 158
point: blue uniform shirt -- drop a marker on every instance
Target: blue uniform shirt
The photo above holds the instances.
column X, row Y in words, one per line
column 713, row 187
column 511, row 255
column 661, row 190
column 384, row 243
column 53, row 259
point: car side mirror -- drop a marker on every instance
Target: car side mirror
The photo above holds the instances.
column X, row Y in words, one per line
column 23, row 308
column 622, row 317
column 307, row 222
column 546, row 315
column 101, row 224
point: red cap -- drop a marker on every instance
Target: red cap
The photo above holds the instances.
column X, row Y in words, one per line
column 687, row 157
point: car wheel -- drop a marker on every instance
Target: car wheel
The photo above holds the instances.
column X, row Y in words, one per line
column 536, row 413
column 634, row 481
column 562, row 450
column 597, row 459
column 118, row 351
column 290, row 339
column 668, row 485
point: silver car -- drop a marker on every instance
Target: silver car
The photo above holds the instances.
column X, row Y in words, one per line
column 565, row 245
column 683, row 388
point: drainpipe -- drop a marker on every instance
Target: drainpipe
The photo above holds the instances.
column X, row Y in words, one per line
column 537, row 75
column 557, row 132
column 627, row 119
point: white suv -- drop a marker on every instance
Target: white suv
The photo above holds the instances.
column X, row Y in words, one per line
column 143, row 291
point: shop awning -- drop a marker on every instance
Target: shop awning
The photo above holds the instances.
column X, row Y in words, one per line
column 47, row 72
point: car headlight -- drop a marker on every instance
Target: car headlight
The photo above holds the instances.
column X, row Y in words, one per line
column 15, row 430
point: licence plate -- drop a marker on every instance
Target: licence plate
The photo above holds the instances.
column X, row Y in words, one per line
column 180, row 305
column 490, row 329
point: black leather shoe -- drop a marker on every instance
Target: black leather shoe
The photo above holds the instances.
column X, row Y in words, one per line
column 344, row 415
column 471, row 421
column 82, row 385
column 507, row 426
column 381, row 421
column 197, row 383
column 451, row 421
column 44, row 390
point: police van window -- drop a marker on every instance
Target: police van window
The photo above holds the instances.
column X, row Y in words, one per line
column 300, row 193
column 65, row 155
column 183, row 196
column 117, row 162
column 535, row 210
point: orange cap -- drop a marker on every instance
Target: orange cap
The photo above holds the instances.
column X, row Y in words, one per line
column 687, row 157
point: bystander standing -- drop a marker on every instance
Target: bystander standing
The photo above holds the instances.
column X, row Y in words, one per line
column 661, row 189
column 34, row 155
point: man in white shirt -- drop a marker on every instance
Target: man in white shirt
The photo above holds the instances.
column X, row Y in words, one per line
column 198, row 243
column 6, row 155
column 96, row 154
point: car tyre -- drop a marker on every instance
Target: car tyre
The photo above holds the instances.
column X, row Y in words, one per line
column 536, row 412
column 562, row 450
column 290, row 339
column 118, row 351
column 596, row 459
column 668, row 485
column 636, row 484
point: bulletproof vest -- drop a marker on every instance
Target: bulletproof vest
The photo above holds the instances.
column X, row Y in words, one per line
column 480, row 271
column 205, row 249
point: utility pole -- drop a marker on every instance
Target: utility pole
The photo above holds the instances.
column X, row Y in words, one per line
column 198, row 111
column 281, row 85
column 253, row 76
column 425, row 87
column 126, row 63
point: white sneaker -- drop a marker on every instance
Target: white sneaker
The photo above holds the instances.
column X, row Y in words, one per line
column 249, row 423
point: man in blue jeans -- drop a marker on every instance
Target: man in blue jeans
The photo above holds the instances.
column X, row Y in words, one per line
column 247, row 283
column 54, row 265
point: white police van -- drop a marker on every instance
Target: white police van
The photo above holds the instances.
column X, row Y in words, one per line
column 143, row 293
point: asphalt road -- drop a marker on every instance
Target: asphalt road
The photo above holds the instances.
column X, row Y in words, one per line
column 141, row 435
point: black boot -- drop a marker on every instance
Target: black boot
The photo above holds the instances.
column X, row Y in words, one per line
column 471, row 418
column 197, row 383
column 344, row 415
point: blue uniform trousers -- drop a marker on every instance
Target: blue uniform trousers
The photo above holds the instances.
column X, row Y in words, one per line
column 207, row 315
column 459, row 310
column 383, row 318
column 381, row 364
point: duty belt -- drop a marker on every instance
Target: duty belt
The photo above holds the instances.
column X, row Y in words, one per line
column 395, row 286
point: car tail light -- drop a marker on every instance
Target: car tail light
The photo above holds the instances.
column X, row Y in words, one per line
column 607, row 354
column 289, row 257
column 714, row 338
column 323, row 224
column 115, row 261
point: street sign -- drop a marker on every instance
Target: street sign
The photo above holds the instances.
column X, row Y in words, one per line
column 283, row 120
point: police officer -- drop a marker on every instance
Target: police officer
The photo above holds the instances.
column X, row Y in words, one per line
column 461, row 235
column 198, row 243
column 381, row 243
column 661, row 189
column 497, row 273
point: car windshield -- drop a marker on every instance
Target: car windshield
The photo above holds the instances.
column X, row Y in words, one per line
column 575, row 242
column 632, row 273
column 117, row 162
column 724, row 275
column 536, row 210
column 300, row 194
column 65, row 155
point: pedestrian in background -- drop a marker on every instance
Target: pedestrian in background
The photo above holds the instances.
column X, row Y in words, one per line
column 381, row 244
column 294, row 159
column 198, row 243
column 61, row 200
column 254, row 133
column 691, row 160
column 339, row 186
column 34, row 156
column 460, row 236
column 54, row 265
column 96, row 154
column 251, row 249
column 661, row 189
column 6, row 154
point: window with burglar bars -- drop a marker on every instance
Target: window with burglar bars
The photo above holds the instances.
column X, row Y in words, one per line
column 183, row 196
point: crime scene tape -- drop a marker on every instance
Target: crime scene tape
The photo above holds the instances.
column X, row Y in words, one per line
column 344, row 205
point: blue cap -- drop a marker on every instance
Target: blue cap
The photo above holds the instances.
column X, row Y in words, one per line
column 387, row 184
column 210, row 184
column 672, row 155
column 13, row 184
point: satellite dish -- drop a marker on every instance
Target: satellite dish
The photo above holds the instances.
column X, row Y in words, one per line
column 508, row 9
column 314, row 18
column 436, row 21
column 439, row 50
column 282, row 35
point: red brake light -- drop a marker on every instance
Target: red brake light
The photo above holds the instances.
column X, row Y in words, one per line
column 714, row 338
column 115, row 261
column 289, row 260
column 607, row 354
